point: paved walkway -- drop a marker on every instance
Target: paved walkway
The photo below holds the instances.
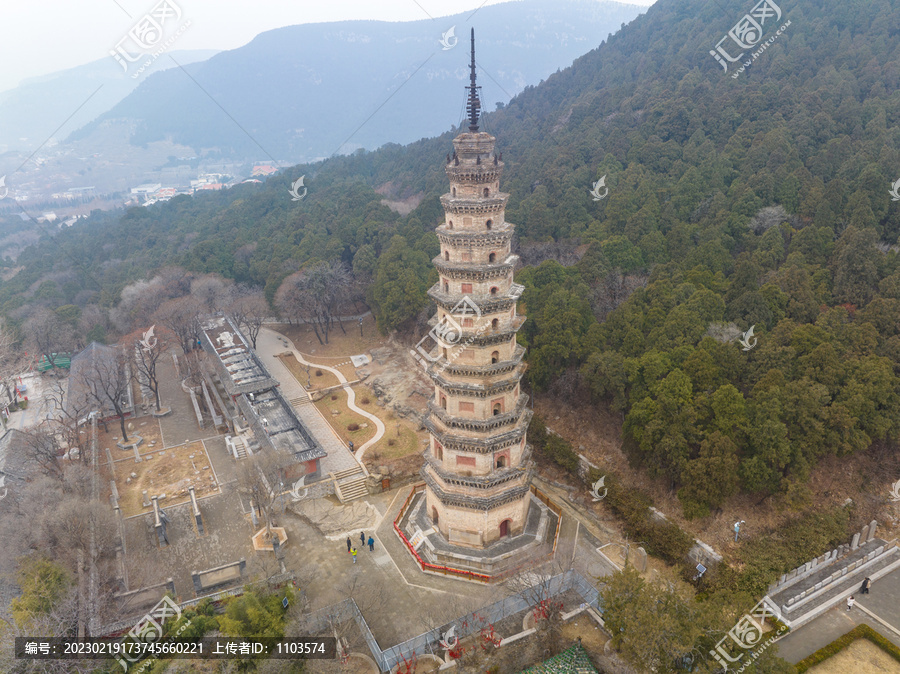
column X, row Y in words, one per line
column 268, row 345
column 351, row 394
column 880, row 610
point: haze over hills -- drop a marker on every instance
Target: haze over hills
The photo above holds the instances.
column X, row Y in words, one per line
column 30, row 112
column 308, row 91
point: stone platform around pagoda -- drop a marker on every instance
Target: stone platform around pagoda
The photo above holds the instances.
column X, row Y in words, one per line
column 535, row 542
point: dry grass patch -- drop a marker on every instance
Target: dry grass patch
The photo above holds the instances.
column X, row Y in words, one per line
column 345, row 418
column 318, row 379
column 340, row 345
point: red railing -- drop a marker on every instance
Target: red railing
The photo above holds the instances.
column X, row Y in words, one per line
column 427, row 566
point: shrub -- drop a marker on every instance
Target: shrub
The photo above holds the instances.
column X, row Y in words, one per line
column 334, row 397
column 392, row 442
column 353, row 427
column 839, row 644
column 365, row 401
column 318, row 373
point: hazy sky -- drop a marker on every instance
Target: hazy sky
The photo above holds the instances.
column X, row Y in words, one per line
column 43, row 36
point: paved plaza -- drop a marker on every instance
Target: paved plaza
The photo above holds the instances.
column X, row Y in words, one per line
column 880, row 610
column 397, row 599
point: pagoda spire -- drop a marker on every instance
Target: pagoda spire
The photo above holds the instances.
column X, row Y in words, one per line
column 474, row 105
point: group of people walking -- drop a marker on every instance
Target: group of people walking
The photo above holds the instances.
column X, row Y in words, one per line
column 362, row 544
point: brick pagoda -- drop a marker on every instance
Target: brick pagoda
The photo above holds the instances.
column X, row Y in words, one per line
column 476, row 467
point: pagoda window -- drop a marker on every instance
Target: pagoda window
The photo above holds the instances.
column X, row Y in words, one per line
column 468, row 323
column 443, row 401
column 451, row 224
column 467, row 257
column 497, row 406
column 446, row 287
column 501, row 461
column 492, row 257
column 447, row 255
column 495, row 357
column 434, row 514
column 495, row 324
column 504, row 528
column 495, row 290
column 454, row 191
column 467, row 222
column 487, row 192
column 438, row 451
column 465, row 461
column 489, row 224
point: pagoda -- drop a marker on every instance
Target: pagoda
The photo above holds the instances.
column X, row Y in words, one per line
column 477, row 480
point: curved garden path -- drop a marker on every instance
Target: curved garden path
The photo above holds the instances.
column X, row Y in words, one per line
column 351, row 394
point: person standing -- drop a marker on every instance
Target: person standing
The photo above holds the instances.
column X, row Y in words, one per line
column 353, row 552
column 850, row 602
column 349, row 544
column 371, row 544
column 865, row 586
column 362, row 539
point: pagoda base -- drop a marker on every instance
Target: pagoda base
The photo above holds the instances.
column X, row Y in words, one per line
column 535, row 544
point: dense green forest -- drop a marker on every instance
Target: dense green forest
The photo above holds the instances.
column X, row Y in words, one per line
column 758, row 201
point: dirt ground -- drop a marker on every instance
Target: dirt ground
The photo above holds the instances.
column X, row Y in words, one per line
column 165, row 471
column 862, row 657
column 146, row 427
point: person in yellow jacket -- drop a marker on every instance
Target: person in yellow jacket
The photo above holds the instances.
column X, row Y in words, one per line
column 353, row 552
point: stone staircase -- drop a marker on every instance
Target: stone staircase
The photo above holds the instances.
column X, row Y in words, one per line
column 300, row 401
column 811, row 589
column 350, row 484
column 240, row 446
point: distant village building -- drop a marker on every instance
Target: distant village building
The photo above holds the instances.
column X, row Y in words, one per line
column 263, row 170
column 146, row 188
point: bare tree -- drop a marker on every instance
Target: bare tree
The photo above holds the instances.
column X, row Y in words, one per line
column 147, row 348
column 182, row 316
column 48, row 334
column 105, row 382
column 211, row 291
column 314, row 295
column 42, row 445
column 12, row 363
column 262, row 479
column 248, row 308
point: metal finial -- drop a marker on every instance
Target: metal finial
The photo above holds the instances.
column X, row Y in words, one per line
column 474, row 106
